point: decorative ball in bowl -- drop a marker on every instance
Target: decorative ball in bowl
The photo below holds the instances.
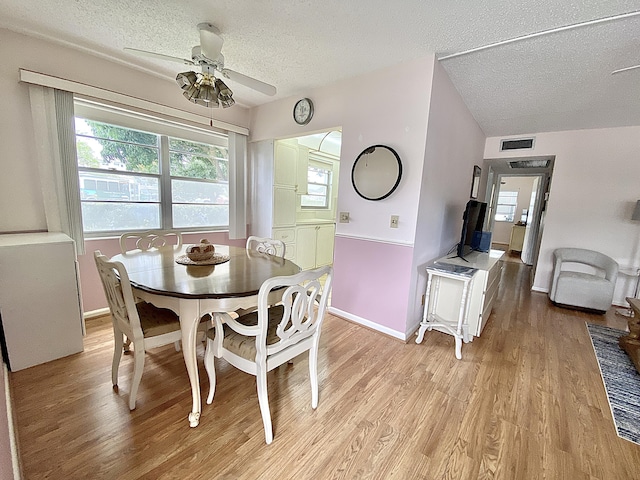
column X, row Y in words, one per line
column 201, row 251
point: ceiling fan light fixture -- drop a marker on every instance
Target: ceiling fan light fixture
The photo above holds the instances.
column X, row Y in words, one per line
column 207, row 93
column 186, row 79
column 191, row 93
column 227, row 102
column 206, row 103
column 223, row 89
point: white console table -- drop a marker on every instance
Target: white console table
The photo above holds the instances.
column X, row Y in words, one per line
column 460, row 295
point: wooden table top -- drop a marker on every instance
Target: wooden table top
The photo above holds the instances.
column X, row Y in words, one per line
column 156, row 271
column 635, row 305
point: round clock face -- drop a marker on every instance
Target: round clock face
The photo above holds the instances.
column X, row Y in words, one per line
column 303, row 111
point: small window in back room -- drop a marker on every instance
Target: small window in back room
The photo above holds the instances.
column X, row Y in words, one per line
column 318, row 186
column 506, row 208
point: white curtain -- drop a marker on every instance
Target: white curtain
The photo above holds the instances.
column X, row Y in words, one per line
column 54, row 135
column 237, row 186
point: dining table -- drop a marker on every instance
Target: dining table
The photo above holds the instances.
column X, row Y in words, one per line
column 197, row 289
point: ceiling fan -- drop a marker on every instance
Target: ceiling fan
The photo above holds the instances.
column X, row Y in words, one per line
column 204, row 88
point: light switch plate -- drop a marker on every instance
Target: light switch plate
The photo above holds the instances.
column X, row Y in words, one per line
column 394, row 221
column 344, row 217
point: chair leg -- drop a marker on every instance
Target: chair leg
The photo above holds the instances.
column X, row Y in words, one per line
column 127, row 345
column 117, row 355
column 263, row 399
column 138, row 367
column 210, row 367
column 313, row 376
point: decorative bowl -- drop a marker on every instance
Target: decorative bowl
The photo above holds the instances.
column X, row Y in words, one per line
column 201, row 251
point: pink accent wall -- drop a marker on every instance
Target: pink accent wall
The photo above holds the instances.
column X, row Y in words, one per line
column 371, row 280
column 90, row 287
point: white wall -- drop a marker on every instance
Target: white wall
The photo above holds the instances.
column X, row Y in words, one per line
column 20, row 194
column 368, row 116
column 593, row 192
column 454, row 144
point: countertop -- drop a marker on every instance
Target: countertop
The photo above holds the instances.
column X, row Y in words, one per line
column 314, row 221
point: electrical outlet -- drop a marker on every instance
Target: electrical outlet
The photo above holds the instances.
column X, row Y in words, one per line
column 344, row 217
column 394, row 221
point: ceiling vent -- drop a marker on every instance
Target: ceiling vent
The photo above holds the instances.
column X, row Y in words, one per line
column 529, row 163
column 516, row 144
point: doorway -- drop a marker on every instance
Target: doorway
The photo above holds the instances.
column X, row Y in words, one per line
column 311, row 231
column 517, row 192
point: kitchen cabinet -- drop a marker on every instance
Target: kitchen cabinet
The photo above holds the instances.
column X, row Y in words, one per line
column 517, row 238
column 278, row 177
column 288, row 237
column 290, row 166
column 314, row 245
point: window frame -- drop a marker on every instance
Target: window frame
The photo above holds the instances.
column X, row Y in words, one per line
column 512, row 206
column 328, row 167
column 163, row 129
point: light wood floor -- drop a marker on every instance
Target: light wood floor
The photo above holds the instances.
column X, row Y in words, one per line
column 526, row 402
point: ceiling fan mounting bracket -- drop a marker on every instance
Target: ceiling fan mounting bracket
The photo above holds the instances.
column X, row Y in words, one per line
column 208, row 27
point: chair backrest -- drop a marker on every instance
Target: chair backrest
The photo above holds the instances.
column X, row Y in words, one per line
column 597, row 260
column 304, row 300
column 117, row 289
column 150, row 239
column 266, row 245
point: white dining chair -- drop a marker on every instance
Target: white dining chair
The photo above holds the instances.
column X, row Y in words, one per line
column 144, row 324
column 150, row 239
column 266, row 245
column 260, row 341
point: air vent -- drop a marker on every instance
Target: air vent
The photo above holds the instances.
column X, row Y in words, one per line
column 529, row 164
column 516, row 144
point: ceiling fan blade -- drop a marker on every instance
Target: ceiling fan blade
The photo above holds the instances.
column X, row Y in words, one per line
column 159, row 56
column 620, row 70
column 261, row 87
column 210, row 40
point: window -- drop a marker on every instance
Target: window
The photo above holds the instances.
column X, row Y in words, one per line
column 506, row 208
column 134, row 180
column 318, row 186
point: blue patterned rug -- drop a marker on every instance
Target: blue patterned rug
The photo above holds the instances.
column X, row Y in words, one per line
column 621, row 380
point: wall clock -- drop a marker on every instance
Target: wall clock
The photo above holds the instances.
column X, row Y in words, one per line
column 303, row 111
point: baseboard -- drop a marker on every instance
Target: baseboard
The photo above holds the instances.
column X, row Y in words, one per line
column 101, row 312
column 13, row 441
column 369, row 324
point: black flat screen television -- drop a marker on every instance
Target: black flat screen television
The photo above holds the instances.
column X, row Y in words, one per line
column 472, row 221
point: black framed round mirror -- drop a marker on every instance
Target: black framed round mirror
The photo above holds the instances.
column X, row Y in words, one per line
column 376, row 172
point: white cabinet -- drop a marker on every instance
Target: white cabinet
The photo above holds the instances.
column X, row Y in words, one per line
column 290, row 166
column 288, row 236
column 275, row 184
column 39, row 298
column 517, row 238
column 284, row 207
column 483, row 290
column 314, row 245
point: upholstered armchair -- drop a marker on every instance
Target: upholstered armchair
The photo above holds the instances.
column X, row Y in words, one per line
column 583, row 279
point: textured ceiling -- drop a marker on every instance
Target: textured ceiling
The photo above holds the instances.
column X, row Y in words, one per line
column 555, row 82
